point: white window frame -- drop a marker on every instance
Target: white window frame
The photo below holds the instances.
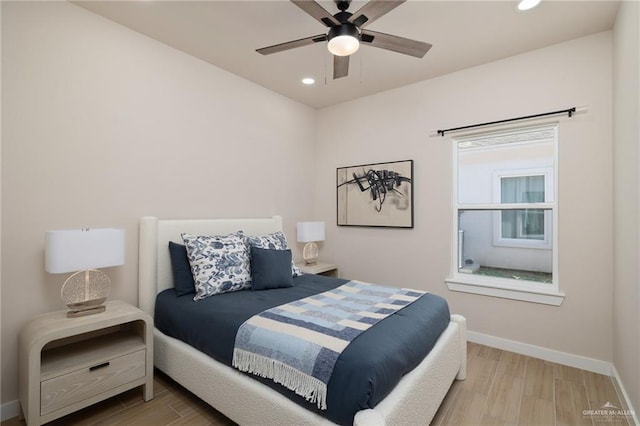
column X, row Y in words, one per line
column 543, row 293
column 498, row 239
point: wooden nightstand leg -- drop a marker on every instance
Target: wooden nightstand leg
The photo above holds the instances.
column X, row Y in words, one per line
column 147, row 391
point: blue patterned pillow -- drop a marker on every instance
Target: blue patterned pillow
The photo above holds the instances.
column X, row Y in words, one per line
column 275, row 241
column 220, row 264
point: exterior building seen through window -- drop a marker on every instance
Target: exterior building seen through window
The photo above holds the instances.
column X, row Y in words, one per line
column 505, row 209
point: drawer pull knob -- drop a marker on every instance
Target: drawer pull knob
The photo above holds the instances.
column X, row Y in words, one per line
column 95, row 367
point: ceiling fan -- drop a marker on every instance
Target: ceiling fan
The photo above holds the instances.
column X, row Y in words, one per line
column 347, row 31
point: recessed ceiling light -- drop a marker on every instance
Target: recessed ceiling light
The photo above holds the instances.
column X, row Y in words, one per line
column 308, row 80
column 527, row 4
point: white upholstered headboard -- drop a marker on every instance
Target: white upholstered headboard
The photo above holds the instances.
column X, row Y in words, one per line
column 154, row 263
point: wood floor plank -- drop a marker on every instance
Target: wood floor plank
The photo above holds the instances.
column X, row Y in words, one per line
column 184, row 404
column 538, row 379
column 489, row 353
column 568, row 373
column 512, row 364
column 214, row 416
column 536, row 411
column 600, row 390
column 602, row 395
column 133, row 397
column 503, row 401
column 480, row 378
column 486, row 420
column 154, row 412
column 192, row 419
column 162, row 383
column 570, row 402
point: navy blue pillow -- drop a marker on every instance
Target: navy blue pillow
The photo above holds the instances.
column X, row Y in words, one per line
column 270, row 269
column 182, row 276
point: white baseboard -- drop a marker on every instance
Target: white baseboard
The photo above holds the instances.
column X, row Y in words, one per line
column 9, row 410
column 564, row 358
column 621, row 390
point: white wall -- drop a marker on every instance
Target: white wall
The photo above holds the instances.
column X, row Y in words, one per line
column 102, row 125
column 396, row 125
column 626, row 187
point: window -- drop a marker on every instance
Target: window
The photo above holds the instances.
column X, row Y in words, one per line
column 518, row 224
column 505, row 214
column 529, row 228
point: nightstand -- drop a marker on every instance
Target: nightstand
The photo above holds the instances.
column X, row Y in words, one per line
column 319, row 268
column 66, row 364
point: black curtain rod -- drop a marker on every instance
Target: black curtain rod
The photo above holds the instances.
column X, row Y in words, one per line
column 569, row 111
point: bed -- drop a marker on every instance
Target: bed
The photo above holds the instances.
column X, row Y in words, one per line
column 414, row 400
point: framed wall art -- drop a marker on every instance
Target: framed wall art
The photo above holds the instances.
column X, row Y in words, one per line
column 379, row 194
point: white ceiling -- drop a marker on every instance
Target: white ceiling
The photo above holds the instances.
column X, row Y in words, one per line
column 463, row 34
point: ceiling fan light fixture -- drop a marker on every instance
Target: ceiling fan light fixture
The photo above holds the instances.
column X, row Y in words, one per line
column 343, row 40
column 344, row 45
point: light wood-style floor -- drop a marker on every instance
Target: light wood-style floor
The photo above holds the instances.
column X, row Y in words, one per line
column 502, row 388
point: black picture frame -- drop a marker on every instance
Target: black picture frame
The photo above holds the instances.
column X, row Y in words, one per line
column 375, row 195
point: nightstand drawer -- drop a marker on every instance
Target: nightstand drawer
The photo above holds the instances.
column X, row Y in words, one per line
column 79, row 385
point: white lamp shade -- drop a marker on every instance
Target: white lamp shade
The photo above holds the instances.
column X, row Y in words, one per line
column 310, row 231
column 77, row 250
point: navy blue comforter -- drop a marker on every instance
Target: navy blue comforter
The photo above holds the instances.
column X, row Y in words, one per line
column 366, row 371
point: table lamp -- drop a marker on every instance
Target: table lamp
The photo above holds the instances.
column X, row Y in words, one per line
column 309, row 233
column 83, row 251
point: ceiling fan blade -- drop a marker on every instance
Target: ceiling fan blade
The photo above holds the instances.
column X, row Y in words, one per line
column 395, row 43
column 340, row 66
column 317, row 11
column 372, row 11
column 292, row 44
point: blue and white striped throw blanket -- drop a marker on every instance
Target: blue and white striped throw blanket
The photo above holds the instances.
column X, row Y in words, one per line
column 297, row 344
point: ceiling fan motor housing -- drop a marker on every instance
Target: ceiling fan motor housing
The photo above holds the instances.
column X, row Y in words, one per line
column 343, row 30
column 343, row 4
